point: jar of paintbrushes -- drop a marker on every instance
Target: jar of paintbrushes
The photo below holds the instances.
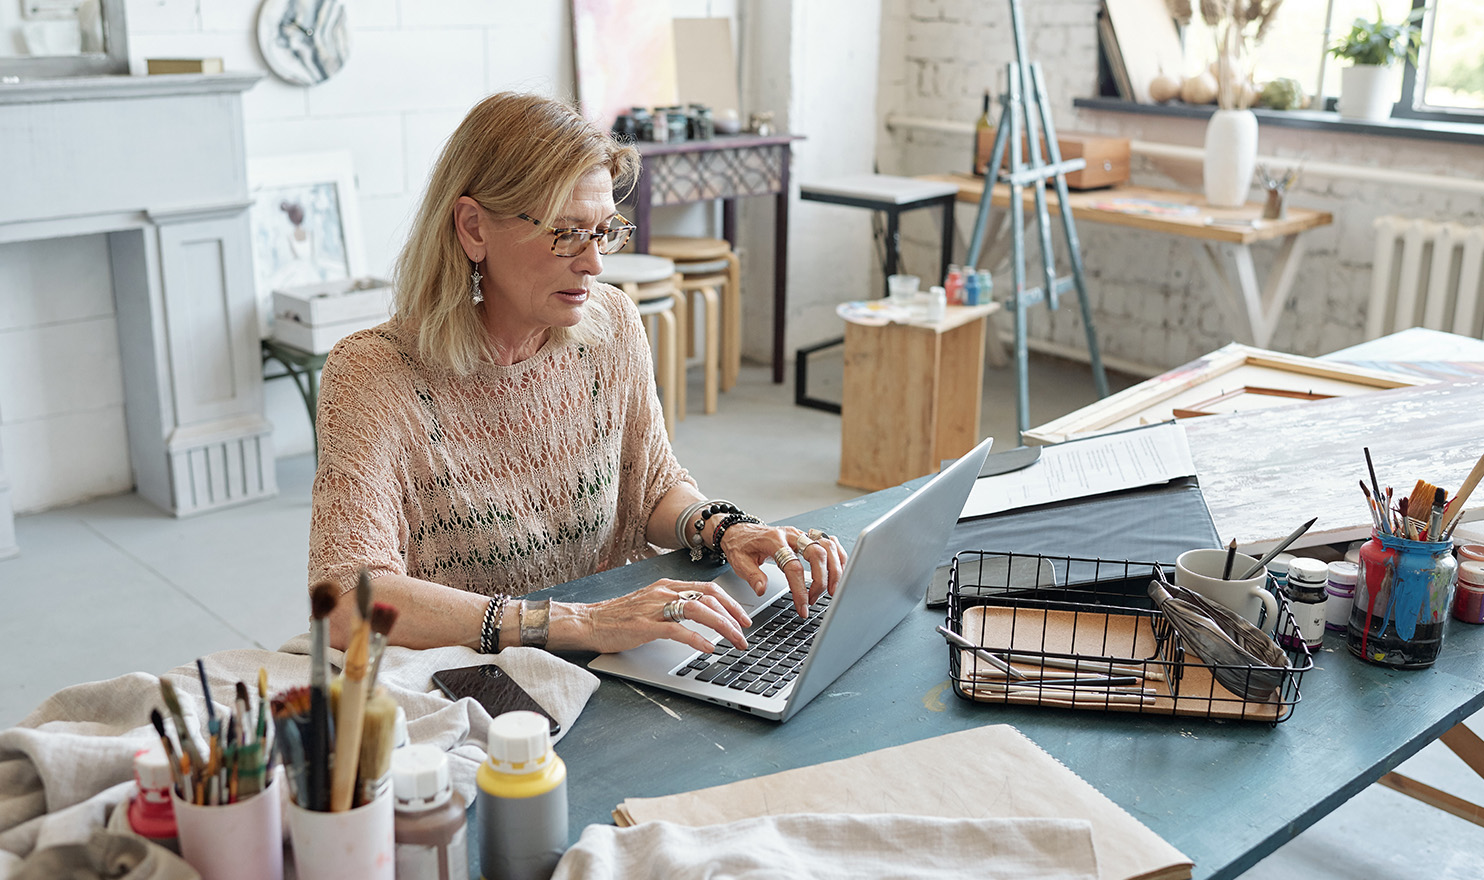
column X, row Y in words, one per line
column 336, row 740
column 1407, row 573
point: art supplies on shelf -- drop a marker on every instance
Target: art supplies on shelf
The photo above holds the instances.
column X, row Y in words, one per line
column 1092, row 638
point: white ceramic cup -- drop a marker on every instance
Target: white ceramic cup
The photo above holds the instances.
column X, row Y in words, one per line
column 241, row 841
column 358, row 844
column 1200, row 570
column 903, row 288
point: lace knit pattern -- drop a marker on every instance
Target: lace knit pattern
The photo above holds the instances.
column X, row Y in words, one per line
column 504, row 481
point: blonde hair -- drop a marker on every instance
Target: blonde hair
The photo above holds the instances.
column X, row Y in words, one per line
column 514, row 153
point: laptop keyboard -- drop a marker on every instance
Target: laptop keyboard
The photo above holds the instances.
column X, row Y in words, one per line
column 775, row 652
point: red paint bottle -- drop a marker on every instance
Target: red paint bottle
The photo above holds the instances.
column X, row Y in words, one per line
column 150, row 812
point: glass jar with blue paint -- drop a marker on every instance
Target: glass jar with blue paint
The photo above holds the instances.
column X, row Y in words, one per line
column 1402, row 597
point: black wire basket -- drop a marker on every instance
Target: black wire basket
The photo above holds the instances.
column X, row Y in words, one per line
column 1083, row 633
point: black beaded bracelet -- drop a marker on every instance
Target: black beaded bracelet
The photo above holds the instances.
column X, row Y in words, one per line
column 489, row 632
column 721, row 528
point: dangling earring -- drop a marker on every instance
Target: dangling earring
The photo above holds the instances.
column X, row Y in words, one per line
column 475, row 292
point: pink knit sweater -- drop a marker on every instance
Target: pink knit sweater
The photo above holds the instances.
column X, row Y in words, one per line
column 505, row 481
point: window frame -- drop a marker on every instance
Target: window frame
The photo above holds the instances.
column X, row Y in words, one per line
column 1411, row 105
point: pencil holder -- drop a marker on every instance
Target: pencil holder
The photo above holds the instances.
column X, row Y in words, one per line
column 1401, row 599
column 241, row 841
column 358, row 844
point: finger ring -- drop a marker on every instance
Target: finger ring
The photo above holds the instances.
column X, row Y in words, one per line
column 818, row 534
column 784, row 556
column 805, row 544
column 689, row 595
column 674, row 610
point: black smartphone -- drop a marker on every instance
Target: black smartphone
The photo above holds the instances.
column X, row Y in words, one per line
column 491, row 688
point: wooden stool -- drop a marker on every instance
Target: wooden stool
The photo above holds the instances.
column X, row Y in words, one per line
column 703, row 257
column 654, row 286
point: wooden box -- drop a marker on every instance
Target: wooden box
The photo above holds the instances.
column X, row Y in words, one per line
column 1107, row 158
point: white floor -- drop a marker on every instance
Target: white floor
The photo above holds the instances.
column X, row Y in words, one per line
column 114, row 586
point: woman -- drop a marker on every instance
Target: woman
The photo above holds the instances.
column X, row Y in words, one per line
column 502, row 433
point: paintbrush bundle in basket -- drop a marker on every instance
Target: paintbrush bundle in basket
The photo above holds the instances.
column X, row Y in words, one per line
column 1241, row 656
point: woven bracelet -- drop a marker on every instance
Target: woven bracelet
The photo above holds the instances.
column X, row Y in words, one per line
column 489, row 632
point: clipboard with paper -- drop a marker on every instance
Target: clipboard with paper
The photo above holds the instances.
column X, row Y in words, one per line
column 1079, row 498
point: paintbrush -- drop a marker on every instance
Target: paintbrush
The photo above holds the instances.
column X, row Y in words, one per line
column 322, row 599
column 1375, row 486
column 1281, row 546
column 1455, row 505
column 383, row 618
column 1371, row 506
column 378, row 732
column 979, row 652
column 187, row 741
column 1231, row 557
column 1435, row 521
column 1081, row 665
column 1404, row 523
column 290, row 717
column 349, row 715
column 176, row 772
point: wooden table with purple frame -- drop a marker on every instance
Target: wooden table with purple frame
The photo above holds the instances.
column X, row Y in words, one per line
column 727, row 168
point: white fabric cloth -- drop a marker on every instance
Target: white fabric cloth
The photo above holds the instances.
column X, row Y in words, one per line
column 71, row 760
column 848, row 847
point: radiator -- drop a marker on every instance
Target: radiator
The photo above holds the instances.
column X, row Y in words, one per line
column 1426, row 275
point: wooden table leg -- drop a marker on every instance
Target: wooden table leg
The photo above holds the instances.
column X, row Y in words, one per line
column 1466, row 745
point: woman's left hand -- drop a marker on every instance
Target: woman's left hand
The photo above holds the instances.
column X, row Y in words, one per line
column 748, row 545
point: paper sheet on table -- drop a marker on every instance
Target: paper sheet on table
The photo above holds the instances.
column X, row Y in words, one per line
column 985, row 772
column 1098, row 465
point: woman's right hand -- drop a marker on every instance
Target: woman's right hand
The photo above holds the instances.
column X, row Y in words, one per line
column 639, row 617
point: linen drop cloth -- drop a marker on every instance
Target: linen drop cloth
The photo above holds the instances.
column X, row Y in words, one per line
column 827, row 847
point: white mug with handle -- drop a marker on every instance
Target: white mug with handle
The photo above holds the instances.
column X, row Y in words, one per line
column 1200, row 570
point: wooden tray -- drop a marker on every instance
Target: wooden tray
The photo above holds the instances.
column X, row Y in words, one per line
column 1098, row 637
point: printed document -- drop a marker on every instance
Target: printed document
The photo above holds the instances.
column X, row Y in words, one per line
column 1096, row 465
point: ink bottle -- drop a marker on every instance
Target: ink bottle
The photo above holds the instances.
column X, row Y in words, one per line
column 937, row 304
column 1341, row 591
column 986, row 287
column 522, row 802
column 431, row 829
column 1306, row 597
column 151, row 815
column 1404, row 591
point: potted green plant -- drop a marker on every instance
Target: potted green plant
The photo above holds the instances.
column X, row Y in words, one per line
column 1368, row 87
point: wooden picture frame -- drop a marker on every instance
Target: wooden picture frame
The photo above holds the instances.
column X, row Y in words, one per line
column 306, row 223
column 1224, row 371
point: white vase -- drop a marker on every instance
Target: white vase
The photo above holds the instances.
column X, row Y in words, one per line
column 1367, row 91
column 1231, row 157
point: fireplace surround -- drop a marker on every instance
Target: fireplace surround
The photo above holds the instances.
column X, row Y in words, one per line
column 157, row 165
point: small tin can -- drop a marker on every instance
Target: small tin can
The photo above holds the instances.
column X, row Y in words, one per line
column 1278, row 568
column 1341, row 592
column 1468, row 599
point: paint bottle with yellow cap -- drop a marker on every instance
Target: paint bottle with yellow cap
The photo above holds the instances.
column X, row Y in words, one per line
column 522, row 802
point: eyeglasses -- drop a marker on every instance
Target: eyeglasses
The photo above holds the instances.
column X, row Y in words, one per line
column 570, row 241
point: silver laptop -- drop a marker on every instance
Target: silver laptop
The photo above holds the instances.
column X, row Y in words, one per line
column 791, row 659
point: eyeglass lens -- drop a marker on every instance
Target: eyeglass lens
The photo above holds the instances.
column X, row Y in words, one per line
column 609, row 241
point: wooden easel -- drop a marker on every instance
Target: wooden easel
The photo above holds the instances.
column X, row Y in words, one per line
column 1026, row 110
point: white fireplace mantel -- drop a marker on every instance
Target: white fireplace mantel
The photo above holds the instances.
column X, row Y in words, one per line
column 159, row 166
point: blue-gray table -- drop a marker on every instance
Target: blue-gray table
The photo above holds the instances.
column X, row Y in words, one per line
column 1224, row 793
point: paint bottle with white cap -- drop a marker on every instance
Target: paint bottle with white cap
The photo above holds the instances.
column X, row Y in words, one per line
column 522, row 802
column 431, row 831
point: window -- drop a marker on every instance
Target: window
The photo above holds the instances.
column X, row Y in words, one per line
column 1446, row 84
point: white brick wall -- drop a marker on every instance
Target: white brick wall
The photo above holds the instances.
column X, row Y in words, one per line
column 416, row 67
column 1150, row 297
